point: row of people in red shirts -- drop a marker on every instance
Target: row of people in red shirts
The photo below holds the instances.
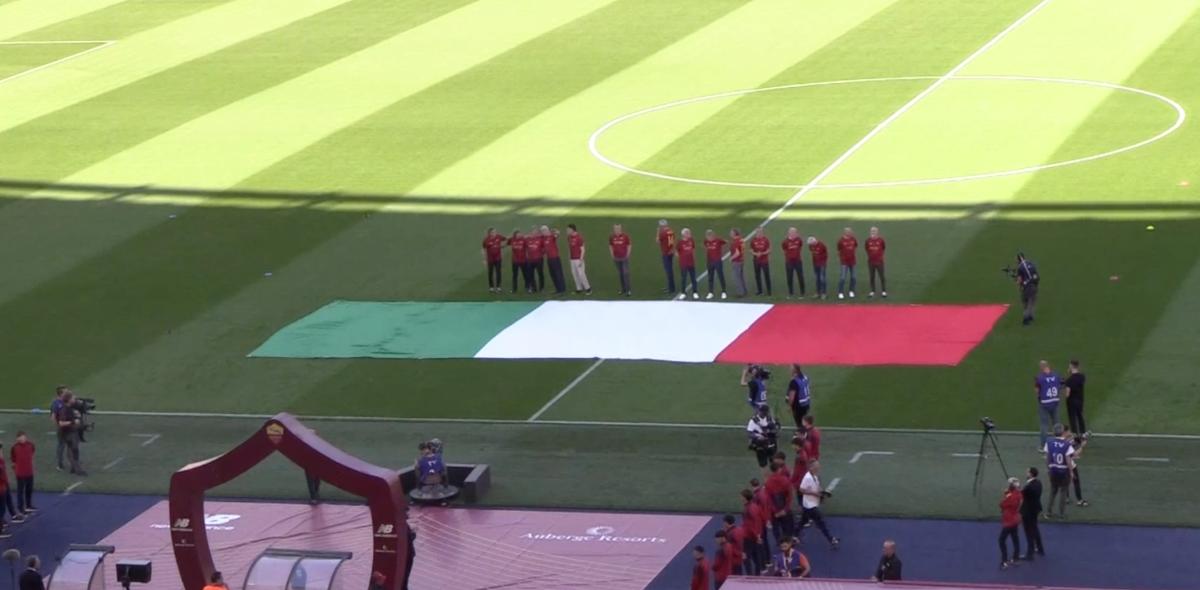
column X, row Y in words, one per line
column 535, row 253
column 745, row 548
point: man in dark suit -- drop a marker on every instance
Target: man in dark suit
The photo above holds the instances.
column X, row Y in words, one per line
column 1031, row 509
column 31, row 579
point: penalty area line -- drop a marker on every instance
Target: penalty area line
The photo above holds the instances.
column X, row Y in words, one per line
column 34, row 70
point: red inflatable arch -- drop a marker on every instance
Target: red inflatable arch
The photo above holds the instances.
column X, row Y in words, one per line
column 284, row 433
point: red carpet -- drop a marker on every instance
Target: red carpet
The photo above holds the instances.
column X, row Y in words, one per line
column 864, row 334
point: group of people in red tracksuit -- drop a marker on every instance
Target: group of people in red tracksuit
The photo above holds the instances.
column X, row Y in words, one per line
column 21, row 454
column 745, row 547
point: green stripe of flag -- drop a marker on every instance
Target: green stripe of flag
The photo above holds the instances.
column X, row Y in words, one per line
column 404, row 329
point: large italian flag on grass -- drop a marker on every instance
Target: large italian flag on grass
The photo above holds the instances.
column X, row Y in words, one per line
column 679, row 331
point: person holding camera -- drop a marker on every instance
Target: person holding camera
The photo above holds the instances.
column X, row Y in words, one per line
column 70, row 424
column 810, row 502
column 755, row 379
column 1026, row 275
column 763, row 431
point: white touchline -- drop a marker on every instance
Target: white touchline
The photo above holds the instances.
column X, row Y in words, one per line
column 1149, row 459
column 833, row 484
column 150, row 438
column 33, row 70
column 71, row 488
column 837, row 162
column 972, row 455
column 112, row 463
column 861, row 454
column 587, row 423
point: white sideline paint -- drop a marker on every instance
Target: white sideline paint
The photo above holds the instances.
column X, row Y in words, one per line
column 71, row 488
column 840, row 159
column 833, row 484
column 112, row 463
column 971, row 455
column 1149, row 459
column 594, row 423
column 36, row 69
column 150, row 438
column 565, row 390
column 861, row 454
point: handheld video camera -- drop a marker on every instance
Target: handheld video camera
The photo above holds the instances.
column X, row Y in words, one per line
column 759, row 372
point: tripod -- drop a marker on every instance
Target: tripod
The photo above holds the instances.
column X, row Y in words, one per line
column 988, row 436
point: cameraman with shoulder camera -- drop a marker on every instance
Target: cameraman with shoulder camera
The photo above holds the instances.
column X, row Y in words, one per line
column 763, row 431
column 70, row 425
column 1026, row 275
column 755, row 378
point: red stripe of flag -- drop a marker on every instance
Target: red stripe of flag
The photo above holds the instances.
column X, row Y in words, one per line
column 864, row 334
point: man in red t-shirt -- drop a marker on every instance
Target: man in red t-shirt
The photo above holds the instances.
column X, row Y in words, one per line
column 666, row 245
column 722, row 565
column 714, row 250
column 847, row 248
column 578, row 268
column 793, row 265
column 1010, row 518
column 493, row 245
column 535, row 253
column 686, row 247
column 754, row 522
column 700, row 570
column 516, row 245
column 760, row 247
column 875, row 247
column 820, row 257
column 621, row 247
column 737, row 256
column 22, row 458
column 553, row 264
column 812, row 437
column 735, row 536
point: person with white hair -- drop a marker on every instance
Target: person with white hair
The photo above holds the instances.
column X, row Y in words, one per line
column 875, row 248
column 1010, row 519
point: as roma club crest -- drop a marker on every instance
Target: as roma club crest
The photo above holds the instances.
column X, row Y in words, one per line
column 275, row 433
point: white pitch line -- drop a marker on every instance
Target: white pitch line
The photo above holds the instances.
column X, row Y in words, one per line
column 110, row 41
column 24, row 73
column 112, row 463
column 861, row 454
column 594, row 423
column 1149, row 459
column 971, row 455
column 842, row 158
column 566, row 390
column 150, row 438
column 71, row 488
column 833, row 484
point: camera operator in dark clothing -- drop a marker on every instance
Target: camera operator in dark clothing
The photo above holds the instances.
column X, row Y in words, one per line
column 70, row 424
column 1074, row 395
column 1026, row 275
column 1031, row 510
column 763, row 431
column 889, row 568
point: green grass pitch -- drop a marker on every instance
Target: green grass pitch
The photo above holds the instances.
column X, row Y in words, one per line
column 179, row 180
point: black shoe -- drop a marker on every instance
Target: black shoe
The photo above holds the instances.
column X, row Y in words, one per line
column 1041, row 552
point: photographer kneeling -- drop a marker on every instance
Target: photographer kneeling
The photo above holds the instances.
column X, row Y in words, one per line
column 70, row 427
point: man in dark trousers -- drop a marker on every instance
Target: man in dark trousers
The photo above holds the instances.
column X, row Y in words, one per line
column 516, row 247
column 1074, row 395
column 1031, row 510
column 553, row 262
column 535, row 258
column 700, row 570
column 1027, row 278
column 31, row 578
column 889, row 566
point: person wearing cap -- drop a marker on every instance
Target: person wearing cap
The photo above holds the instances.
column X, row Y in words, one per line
column 666, row 246
column 1010, row 519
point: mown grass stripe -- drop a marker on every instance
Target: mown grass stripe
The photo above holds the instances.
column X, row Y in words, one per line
column 21, row 16
column 147, row 53
column 120, row 21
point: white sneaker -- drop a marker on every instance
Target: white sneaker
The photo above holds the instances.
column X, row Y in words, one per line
column 885, row 294
column 724, row 296
column 682, row 296
column 695, row 295
column 852, row 294
column 871, row 295
column 1042, row 449
column 841, row 295
column 709, row 296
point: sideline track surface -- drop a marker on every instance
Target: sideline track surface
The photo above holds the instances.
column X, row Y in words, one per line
column 932, row 550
